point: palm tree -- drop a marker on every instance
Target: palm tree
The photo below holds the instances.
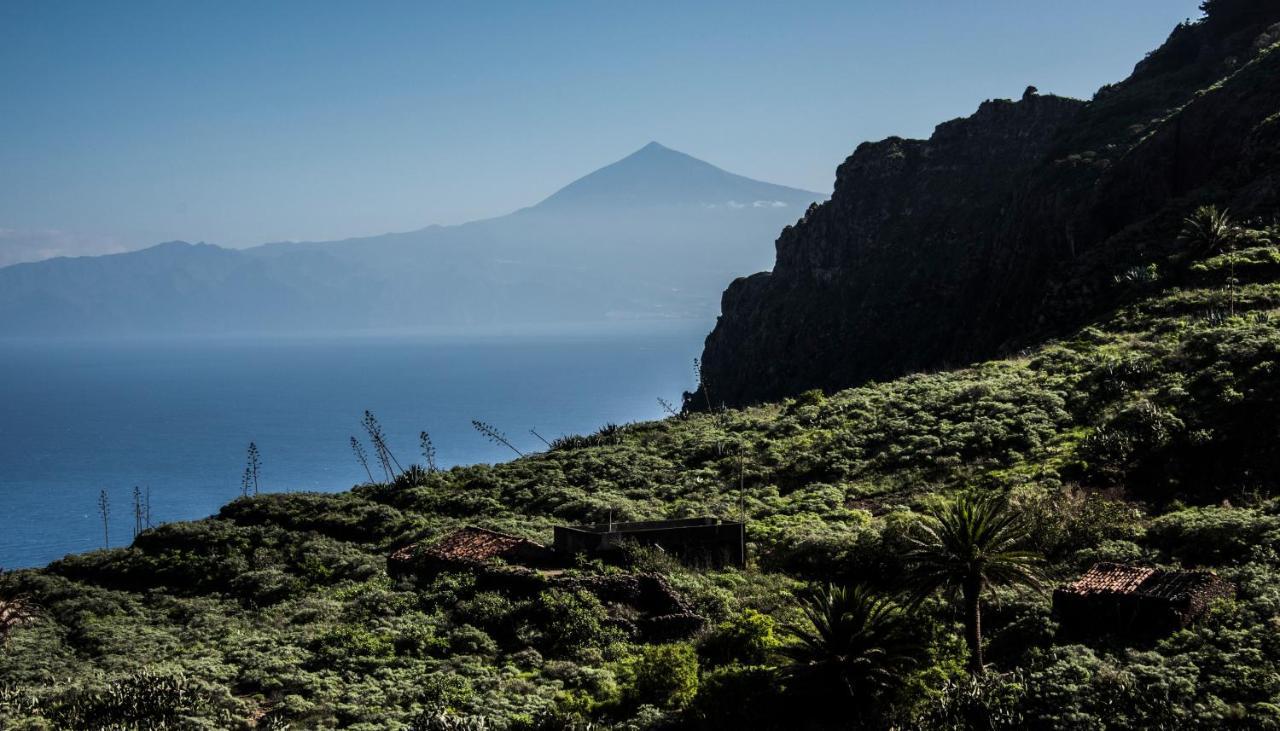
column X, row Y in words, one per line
column 1208, row 229
column 971, row 543
column 852, row 641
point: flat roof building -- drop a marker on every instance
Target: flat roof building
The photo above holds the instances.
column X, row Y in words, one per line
column 699, row 540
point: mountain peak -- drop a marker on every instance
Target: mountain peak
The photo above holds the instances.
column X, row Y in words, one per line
column 654, row 148
column 656, row 175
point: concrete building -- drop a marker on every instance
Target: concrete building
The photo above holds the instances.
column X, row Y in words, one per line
column 696, row 540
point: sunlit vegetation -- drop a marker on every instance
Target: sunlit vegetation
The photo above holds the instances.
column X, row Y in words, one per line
column 1148, row 437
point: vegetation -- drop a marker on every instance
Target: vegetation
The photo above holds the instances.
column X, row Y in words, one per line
column 969, row 545
column 14, row 611
column 851, row 646
column 252, row 468
column 1213, row 231
column 1149, row 436
column 104, row 511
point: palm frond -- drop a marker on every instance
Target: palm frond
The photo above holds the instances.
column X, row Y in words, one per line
column 851, row 638
column 974, row 537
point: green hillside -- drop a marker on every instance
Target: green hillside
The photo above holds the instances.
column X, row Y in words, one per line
column 1148, row 437
column 904, row 536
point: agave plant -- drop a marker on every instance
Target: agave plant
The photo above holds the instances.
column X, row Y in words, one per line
column 971, row 543
column 412, row 476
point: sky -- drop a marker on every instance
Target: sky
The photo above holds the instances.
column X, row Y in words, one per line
column 237, row 122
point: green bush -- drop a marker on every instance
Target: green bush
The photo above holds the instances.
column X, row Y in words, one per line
column 468, row 640
column 665, row 676
column 1213, row 535
column 746, row 638
column 739, row 696
column 144, row 699
column 352, row 647
column 570, row 620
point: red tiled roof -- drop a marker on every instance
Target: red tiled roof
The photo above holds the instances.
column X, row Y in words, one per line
column 475, row 544
column 1110, row 578
column 403, row 553
column 1113, row 578
column 1179, row 585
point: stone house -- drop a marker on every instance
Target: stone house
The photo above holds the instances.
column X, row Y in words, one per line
column 1136, row 602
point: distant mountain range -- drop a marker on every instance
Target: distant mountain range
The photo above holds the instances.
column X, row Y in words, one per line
column 657, row 234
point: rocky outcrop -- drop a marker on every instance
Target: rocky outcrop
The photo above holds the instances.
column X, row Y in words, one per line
column 1007, row 225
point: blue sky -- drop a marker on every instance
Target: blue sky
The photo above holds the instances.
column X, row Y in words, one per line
column 125, row 124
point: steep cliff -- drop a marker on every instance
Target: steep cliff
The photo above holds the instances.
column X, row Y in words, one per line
column 1010, row 224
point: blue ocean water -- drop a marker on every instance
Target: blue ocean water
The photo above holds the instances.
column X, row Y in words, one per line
column 177, row 415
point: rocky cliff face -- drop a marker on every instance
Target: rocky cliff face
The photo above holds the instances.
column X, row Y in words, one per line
column 1008, row 225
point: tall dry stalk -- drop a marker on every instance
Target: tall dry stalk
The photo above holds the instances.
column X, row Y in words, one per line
column 104, row 509
column 491, row 433
column 380, row 448
column 362, row 458
column 428, row 451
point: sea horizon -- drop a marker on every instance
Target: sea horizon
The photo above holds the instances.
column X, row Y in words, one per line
column 176, row 414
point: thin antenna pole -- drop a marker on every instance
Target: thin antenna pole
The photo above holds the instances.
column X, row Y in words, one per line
column 742, row 490
column 742, row 510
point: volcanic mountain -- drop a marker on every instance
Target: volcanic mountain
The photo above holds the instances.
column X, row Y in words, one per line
column 654, row 235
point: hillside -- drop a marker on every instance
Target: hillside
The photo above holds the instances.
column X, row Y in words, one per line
column 597, row 251
column 1007, row 226
column 1148, row 436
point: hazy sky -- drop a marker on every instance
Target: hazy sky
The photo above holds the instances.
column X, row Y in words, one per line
column 236, row 123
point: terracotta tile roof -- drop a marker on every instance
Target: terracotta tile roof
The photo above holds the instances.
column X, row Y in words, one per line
column 1113, row 578
column 475, row 544
column 1110, row 578
column 1178, row 585
column 403, row 553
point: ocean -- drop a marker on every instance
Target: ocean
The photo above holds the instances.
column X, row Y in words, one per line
column 176, row 416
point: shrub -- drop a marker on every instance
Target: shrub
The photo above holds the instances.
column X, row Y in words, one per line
column 571, row 620
column 1065, row 521
column 469, row 640
column 665, row 676
column 1213, row 535
column 738, row 696
column 487, row 609
column 351, row 647
column 989, row 701
column 145, row 699
column 609, row 435
column 1140, row 429
column 746, row 638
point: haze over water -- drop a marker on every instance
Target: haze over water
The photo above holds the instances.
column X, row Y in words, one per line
column 177, row 415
